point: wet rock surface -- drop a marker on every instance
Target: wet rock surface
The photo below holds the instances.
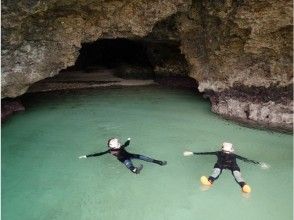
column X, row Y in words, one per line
column 257, row 106
column 9, row 107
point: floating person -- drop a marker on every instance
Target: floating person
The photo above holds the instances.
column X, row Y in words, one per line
column 118, row 150
column 226, row 159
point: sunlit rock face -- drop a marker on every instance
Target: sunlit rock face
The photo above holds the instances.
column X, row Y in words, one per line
column 239, row 51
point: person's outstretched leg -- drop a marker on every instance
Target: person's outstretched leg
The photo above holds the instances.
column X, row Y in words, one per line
column 131, row 167
column 239, row 179
column 148, row 159
column 216, row 172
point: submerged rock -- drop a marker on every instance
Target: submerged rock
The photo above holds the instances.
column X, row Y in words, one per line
column 10, row 107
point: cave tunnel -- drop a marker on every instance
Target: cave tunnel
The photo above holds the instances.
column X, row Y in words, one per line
column 111, row 53
column 121, row 62
column 114, row 60
column 140, row 58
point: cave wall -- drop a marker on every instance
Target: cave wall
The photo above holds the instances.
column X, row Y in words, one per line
column 163, row 49
column 241, row 54
column 229, row 42
column 239, row 51
column 42, row 37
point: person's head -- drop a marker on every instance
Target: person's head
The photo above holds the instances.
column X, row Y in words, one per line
column 227, row 148
column 113, row 143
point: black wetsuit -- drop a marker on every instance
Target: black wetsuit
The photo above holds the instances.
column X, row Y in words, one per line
column 227, row 161
column 125, row 157
column 121, row 154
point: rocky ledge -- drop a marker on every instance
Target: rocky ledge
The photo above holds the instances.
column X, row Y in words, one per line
column 258, row 107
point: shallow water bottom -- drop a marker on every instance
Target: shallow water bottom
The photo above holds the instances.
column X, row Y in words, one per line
column 42, row 177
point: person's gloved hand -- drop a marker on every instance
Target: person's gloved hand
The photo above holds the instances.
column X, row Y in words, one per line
column 187, row 153
column 264, row 165
column 82, row 157
column 129, row 139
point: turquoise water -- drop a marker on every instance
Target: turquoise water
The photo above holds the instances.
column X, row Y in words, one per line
column 42, row 177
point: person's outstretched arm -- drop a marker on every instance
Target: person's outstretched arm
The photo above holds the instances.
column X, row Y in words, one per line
column 247, row 160
column 189, row 153
column 94, row 155
column 126, row 143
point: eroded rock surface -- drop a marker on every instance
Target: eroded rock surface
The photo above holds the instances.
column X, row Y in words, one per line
column 42, row 37
column 231, row 45
column 259, row 106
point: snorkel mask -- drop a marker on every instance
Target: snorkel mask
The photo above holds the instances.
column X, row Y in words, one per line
column 227, row 148
column 113, row 143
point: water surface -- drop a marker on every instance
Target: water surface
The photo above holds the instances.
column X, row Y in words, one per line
column 43, row 179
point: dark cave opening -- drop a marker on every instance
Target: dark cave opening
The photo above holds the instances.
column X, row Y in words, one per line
column 111, row 62
column 111, row 53
column 118, row 62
